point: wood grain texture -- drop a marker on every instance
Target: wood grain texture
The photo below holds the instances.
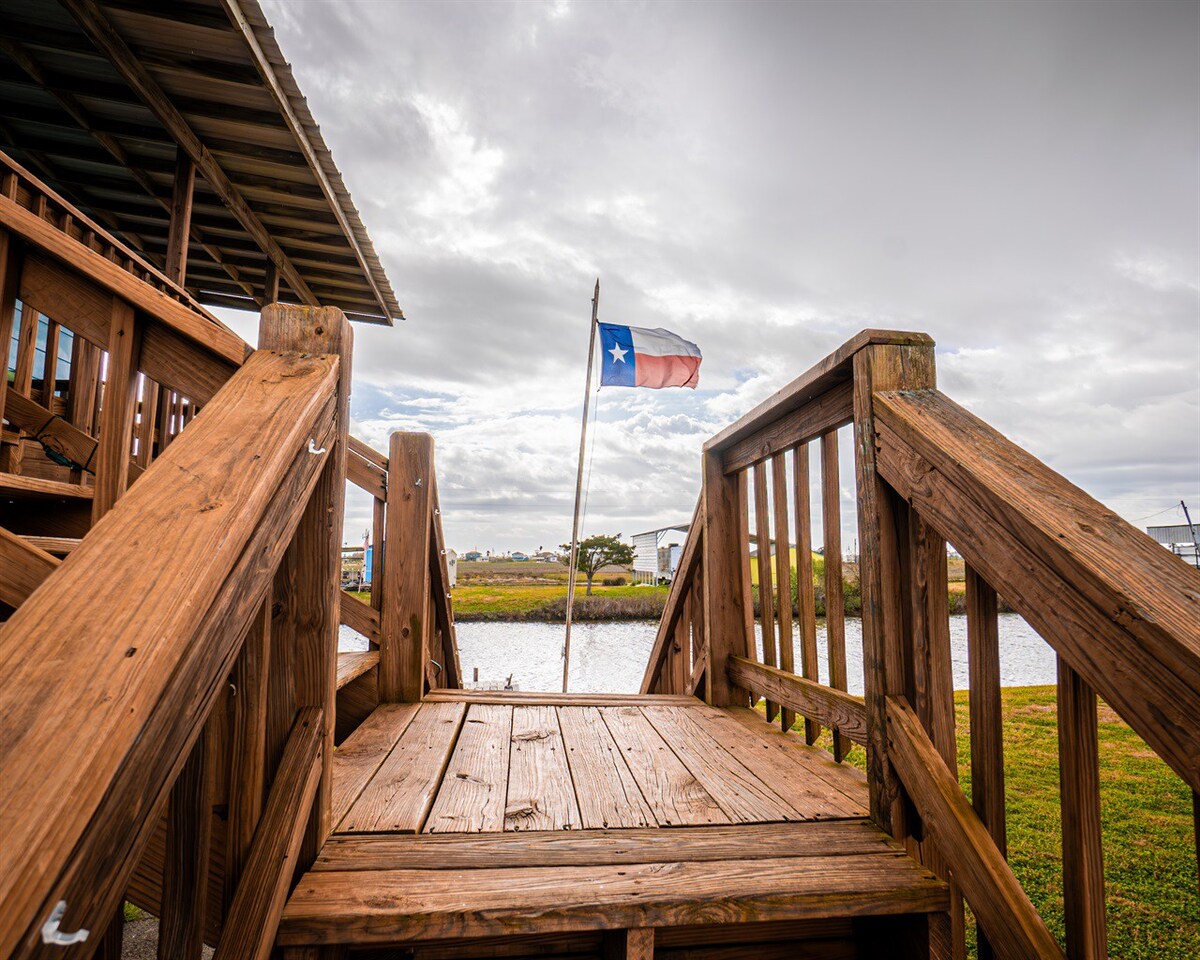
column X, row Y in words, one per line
column 400, row 793
column 607, row 792
column 553, row 699
column 806, row 600
column 541, row 795
column 363, row 752
column 725, row 583
column 1082, row 843
column 835, row 605
column 766, row 597
column 184, row 903
column 809, row 699
column 11, row 256
column 635, row 944
column 735, row 789
column 352, row 665
column 877, row 367
column 1012, row 925
column 359, row 616
column 23, row 568
column 475, row 785
column 249, row 931
column 405, row 618
column 118, row 411
column 783, row 574
column 84, row 731
column 752, row 841
column 669, row 788
column 828, row 411
column 363, row 906
column 1062, row 560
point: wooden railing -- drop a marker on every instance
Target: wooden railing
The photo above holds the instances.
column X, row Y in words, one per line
column 1121, row 613
column 168, row 689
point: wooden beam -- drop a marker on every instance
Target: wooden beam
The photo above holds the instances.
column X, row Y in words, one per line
column 117, row 413
column 360, row 617
column 681, row 584
column 152, row 635
column 879, row 367
column 10, row 280
column 633, row 944
column 181, row 217
column 1013, row 926
column 832, row 707
column 313, row 612
column 92, row 20
column 1082, row 844
column 23, row 568
column 249, row 930
column 184, row 901
column 724, row 580
column 1062, row 560
column 832, row 409
column 405, row 617
column 60, row 435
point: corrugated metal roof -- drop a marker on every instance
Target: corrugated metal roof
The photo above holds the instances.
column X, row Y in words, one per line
column 77, row 111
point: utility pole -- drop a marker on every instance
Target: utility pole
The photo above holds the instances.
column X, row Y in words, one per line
column 1195, row 543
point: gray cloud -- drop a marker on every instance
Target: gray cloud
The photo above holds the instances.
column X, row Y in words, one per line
column 1019, row 180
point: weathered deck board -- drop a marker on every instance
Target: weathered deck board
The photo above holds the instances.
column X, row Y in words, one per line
column 375, row 906
column 671, row 790
column 363, row 752
column 471, row 798
column 401, row 792
column 541, row 795
column 549, row 848
column 738, row 791
column 607, row 792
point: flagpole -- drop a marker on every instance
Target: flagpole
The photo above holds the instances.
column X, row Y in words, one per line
column 571, row 573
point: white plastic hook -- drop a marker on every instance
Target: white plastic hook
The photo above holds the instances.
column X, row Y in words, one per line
column 313, row 448
column 51, row 933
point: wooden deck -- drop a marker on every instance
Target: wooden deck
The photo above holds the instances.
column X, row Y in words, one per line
column 577, row 813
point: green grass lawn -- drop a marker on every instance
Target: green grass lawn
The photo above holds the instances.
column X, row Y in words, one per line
column 470, row 598
column 1146, row 817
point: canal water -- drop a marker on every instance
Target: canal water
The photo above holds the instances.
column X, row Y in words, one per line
column 610, row 657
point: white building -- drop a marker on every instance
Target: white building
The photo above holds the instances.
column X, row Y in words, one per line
column 656, row 553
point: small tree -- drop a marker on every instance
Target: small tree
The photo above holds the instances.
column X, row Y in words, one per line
column 598, row 552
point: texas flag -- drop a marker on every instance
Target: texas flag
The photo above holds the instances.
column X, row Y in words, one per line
column 639, row 357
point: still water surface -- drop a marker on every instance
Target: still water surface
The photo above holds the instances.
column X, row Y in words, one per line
column 610, row 657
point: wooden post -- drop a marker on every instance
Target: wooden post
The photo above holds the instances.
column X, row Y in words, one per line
column 634, row 944
column 724, row 585
column 185, row 868
column 10, row 278
column 120, row 406
column 405, row 617
column 878, row 367
column 835, row 601
column 1079, row 782
column 805, row 596
column 181, row 217
column 309, row 620
column 271, row 283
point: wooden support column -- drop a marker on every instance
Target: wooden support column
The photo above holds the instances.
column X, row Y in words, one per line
column 1079, row 781
column 185, row 869
column 725, row 581
column 308, row 622
column 405, row 618
column 879, row 367
column 181, row 217
column 113, row 937
column 248, row 754
column 120, row 406
column 271, row 283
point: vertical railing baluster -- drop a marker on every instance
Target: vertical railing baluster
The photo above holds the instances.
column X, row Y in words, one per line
column 987, row 731
column 146, row 423
column 50, row 365
column 766, row 603
column 835, row 603
column 807, row 601
column 1079, row 782
column 783, row 574
column 120, row 397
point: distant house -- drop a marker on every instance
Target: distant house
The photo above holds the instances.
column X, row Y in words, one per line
column 1179, row 539
column 547, row 556
column 518, row 555
column 656, row 553
column 472, row 556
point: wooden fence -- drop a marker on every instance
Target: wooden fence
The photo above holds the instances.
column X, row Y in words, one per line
column 1121, row 613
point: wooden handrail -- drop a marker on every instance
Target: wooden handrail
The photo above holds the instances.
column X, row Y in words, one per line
column 1118, row 608
column 834, row 708
column 1014, row 928
column 138, row 628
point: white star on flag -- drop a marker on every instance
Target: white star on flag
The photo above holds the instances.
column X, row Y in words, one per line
column 618, row 354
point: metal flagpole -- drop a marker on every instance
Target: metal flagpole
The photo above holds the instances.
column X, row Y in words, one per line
column 571, row 573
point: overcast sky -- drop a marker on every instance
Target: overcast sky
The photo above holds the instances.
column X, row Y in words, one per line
column 1019, row 180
